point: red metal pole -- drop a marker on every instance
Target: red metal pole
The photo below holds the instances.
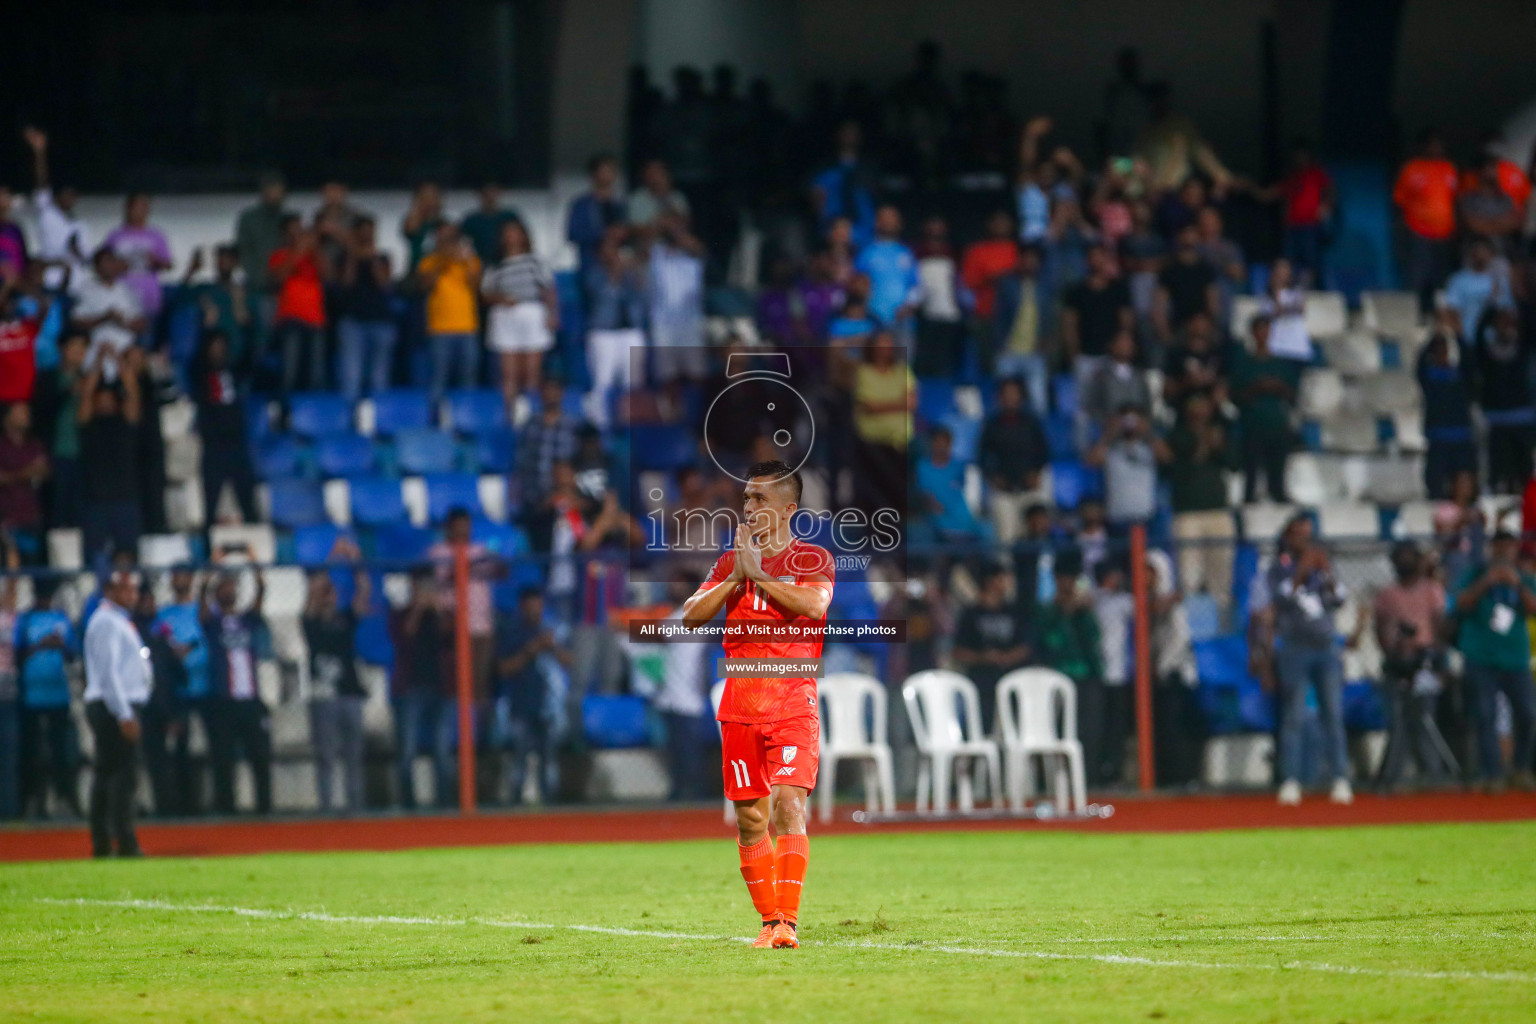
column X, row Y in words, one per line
column 1145, row 777
column 464, row 664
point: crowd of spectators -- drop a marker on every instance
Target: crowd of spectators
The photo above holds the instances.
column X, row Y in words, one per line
column 1096, row 288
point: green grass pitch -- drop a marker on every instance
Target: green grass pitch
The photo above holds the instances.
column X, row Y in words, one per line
column 1401, row 923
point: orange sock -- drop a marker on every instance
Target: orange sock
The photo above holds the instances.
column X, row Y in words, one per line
column 789, row 866
column 757, row 872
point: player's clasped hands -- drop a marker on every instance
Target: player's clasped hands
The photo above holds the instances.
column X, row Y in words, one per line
column 749, row 560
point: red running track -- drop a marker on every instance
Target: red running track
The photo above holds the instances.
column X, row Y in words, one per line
column 652, row 824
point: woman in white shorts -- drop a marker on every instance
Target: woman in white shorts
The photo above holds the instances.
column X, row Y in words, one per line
column 524, row 313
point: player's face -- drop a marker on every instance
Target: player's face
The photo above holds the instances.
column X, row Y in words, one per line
column 765, row 506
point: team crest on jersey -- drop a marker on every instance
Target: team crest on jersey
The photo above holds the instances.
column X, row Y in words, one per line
column 789, row 754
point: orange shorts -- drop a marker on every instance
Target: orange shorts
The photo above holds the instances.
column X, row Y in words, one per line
column 759, row 755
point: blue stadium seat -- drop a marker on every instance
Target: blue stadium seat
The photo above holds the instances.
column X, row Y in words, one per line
column 965, row 434
column 495, row 450
column 447, row 491
column 402, row 542
column 344, row 455
column 476, row 411
column 615, row 721
column 935, row 400
column 659, row 446
column 277, row 457
column 426, row 450
column 318, row 413
column 501, row 539
column 297, row 503
column 402, row 409
column 1073, row 482
column 258, row 418
column 1059, row 437
column 312, row 545
column 373, row 641
column 1064, row 395
column 376, row 500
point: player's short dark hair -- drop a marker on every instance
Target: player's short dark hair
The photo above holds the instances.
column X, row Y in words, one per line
column 780, row 471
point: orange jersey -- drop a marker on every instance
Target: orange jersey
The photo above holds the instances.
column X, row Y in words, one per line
column 1512, row 181
column 1426, row 193
column 771, row 700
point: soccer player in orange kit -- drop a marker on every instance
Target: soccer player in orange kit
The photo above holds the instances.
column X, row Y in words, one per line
column 770, row 733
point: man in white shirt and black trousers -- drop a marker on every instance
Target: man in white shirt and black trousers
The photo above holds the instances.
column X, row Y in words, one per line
column 117, row 684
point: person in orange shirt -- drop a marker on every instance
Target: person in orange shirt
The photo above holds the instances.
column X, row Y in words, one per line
column 1425, row 195
column 450, row 274
column 299, row 325
column 1513, row 181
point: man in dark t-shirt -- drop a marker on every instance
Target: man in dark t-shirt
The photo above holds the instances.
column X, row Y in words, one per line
column 990, row 641
column 1185, row 286
column 1094, row 309
column 112, row 517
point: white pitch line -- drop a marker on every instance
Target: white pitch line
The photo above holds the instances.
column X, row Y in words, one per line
column 1117, row 959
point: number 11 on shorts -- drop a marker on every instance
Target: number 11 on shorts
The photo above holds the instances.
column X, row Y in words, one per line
column 739, row 770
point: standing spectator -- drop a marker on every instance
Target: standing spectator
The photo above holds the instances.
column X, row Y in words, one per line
column 1113, row 610
column 595, row 212
column 1129, row 454
column 682, row 700
column 64, row 241
column 1425, row 196
column 1499, row 359
column 1461, row 528
column 336, row 695
column 1021, row 324
column 485, row 227
column 483, row 567
column 676, row 271
column 450, row 274
column 524, row 313
column 1115, row 382
column 843, row 191
column 1286, row 307
column 1198, row 365
column 884, row 397
column 1443, row 369
column 990, row 642
column 107, row 308
column 1067, row 243
column 363, row 303
column 21, row 321
column 180, row 625
column 988, row 261
column 843, row 251
column 45, row 643
column 1093, row 313
column 335, row 221
column 544, row 440
column 529, row 701
column 1201, row 454
column 656, row 198
column 226, row 457
column 1487, row 211
column 300, row 276
column 55, row 414
column 615, row 301
column 1480, row 285
column 145, row 252
column 1264, row 388
column 1304, row 594
column 108, row 417
column 259, row 234
column 1308, row 196
column 421, row 689
column 940, row 333
column 1185, row 286
column 780, row 314
column 10, row 702
column 422, row 226
column 1066, row 638
column 892, row 271
column 1033, row 559
column 158, row 719
column 117, row 686
column 1224, row 257
column 1177, row 722
column 23, row 470
column 1037, row 179
column 940, row 487
column 224, row 302
column 1410, row 622
column 1493, row 601
column 240, row 721
column 819, row 295
column 1012, row 452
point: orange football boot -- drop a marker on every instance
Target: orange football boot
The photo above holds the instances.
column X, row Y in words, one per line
column 765, row 937
column 784, row 936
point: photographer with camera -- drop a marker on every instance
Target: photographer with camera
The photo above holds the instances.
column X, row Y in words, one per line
column 1493, row 600
column 1410, row 627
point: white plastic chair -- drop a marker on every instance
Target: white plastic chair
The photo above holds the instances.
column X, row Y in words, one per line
column 1027, row 704
column 853, row 716
column 932, row 699
column 716, row 695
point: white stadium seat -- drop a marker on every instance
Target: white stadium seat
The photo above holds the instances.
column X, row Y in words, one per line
column 257, row 538
column 1244, row 309
column 1321, row 394
column 1390, row 392
column 853, row 719
column 933, row 700
column 163, row 550
column 1415, row 519
column 1351, row 432
column 1395, row 481
column 1028, row 703
column 1352, row 353
column 1408, row 431
column 1312, row 479
column 337, row 495
column 1394, row 314
column 66, row 550
column 1326, row 314
column 1262, row 523
column 1348, row 519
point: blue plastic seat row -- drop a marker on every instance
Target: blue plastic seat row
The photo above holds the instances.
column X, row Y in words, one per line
column 414, row 452
column 374, row 500
column 474, row 411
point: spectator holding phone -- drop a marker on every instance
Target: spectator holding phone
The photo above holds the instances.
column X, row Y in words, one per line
column 336, row 694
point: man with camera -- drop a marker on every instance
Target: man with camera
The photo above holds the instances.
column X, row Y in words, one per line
column 1410, row 627
column 1493, row 600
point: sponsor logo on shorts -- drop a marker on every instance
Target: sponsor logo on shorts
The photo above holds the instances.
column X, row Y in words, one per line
column 786, row 770
column 789, row 754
